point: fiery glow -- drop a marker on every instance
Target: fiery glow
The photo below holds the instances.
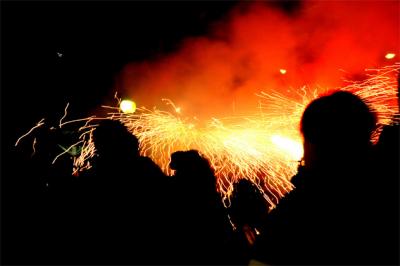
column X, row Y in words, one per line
column 238, row 147
column 283, row 71
column 293, row 148
column 264, row 147
column 380, row 92
column 219, row 73
column 390, row 55
column 127, row 106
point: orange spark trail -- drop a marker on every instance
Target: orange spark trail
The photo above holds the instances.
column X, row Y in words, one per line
column 39, row 124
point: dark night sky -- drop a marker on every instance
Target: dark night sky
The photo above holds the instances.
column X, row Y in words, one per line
column 96, row 39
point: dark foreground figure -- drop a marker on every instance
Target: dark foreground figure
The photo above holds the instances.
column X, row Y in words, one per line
column 202, row 232
column 120, row 201
column 343, row 209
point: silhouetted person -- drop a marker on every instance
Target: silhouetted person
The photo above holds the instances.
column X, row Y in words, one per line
column 202, row 226
column 387, row 191
column 330, row 217
column 248, row 211
column 121, row 201
column 387, row 151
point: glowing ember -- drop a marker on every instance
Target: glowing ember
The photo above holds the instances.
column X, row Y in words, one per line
column 390, row 55
column 127, row 106
column 283, row 71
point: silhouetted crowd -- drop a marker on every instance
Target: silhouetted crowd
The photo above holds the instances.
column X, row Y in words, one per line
column 344, row 208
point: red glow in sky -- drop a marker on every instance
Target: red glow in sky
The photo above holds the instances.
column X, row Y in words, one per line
column 219, row 74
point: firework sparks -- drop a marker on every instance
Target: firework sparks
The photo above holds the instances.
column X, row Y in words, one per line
column 66, row 151
column 379, row 91
column 264, row 147
column 65, row 115
column 234, row 147
column 33, row 147
column 39, row 124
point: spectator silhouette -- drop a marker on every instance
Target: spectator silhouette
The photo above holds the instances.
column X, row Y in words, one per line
column 200, row 220
column 248, row 211
column 120, row 204
column 329, row 217
column 387, row 191
column 387, row 154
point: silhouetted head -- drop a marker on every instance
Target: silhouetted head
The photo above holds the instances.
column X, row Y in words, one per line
column 245, row 187
column 112, row 138
column 181, row 160
column 189, row 161
column 337, row 125
column 248, row 205
column 191, row 164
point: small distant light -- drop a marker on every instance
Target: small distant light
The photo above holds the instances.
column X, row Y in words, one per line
column 283, row 71
column 127, row 106
column 178, row 109
column 390, row 55
column 59, row 54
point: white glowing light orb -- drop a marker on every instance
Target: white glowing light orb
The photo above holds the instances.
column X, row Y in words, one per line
column 127, row 106
column 283, row 71
column 390, row 55
column 289, row 146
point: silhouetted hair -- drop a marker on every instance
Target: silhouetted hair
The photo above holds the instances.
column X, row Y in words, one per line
column 248, row 205
column 112, row 136
column 340, row 118
column 189, row 159
column 196, row 168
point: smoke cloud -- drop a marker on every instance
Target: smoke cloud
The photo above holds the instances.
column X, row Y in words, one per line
column 317, row 45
